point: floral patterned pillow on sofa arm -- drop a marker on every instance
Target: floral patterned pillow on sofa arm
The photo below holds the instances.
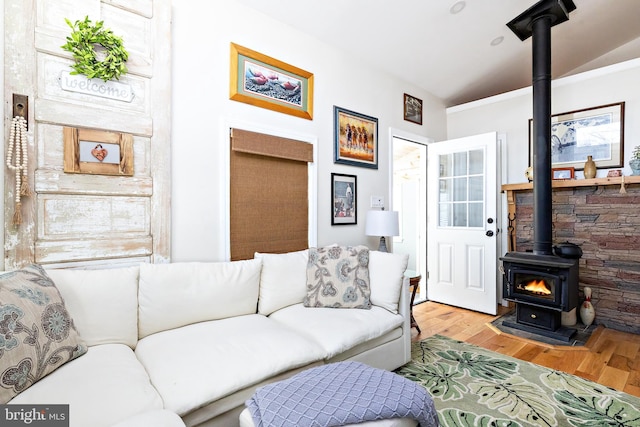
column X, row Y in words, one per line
column 338, row 277
column 37, row 334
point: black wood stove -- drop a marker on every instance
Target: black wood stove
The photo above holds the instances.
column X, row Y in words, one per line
column 541, row 284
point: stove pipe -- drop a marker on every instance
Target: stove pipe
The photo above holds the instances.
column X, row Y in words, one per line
column 537, row 22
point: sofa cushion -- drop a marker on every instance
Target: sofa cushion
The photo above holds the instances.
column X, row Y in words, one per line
column 178, row 294
column 387, row 273
column 338, row 330
column 37, row 334
column 282, row 281
column 103, row 303
column 338, row 277
column 105, row 386
column 200, row 363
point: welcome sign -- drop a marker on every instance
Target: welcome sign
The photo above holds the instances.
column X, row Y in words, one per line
column 96, row 87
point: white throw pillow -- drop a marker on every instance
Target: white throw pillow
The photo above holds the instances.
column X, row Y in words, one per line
column 103, row 303
column 179, row 294
column 282, row 281
column 386, row 272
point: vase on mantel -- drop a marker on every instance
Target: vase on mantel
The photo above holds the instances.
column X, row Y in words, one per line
column 590, row 168
column 587, row 312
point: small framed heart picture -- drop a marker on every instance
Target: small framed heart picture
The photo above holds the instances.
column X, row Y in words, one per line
column 93, row 151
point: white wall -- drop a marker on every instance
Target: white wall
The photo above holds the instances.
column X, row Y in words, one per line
column 202, row 113
column 510, row 113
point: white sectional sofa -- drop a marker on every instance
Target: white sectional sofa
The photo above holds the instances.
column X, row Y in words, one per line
column 197, row 339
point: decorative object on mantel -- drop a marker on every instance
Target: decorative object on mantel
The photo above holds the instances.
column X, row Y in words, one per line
column 98, row 53
column 563, row 173
column 614, row 173
column 587, row 312
column 18, row 161
column 528, row 173
column 634, row 162
column 590, row 169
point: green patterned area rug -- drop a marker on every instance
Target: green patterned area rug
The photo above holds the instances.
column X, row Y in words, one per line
column 472, row 386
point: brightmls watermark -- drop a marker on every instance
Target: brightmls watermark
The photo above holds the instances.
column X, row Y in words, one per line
column 34, row 415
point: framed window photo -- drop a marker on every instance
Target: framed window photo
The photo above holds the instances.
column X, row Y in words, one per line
column 412, row 109
column 343, row 199
column 355, row 138
column 562, row 173
column 596, row 132
column 266, row 82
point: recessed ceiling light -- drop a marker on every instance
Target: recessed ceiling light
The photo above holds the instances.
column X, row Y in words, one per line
column 457, row 7
column 497, row 41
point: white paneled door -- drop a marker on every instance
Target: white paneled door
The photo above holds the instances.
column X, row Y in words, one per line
column 462, row 223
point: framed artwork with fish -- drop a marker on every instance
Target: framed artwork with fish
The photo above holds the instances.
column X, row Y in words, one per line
column 260, row 80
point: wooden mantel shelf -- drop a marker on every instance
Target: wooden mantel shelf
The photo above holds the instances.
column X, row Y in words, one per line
column 569, row 183
column 511, row 190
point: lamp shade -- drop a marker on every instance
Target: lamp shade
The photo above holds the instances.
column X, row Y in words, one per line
column 382, row 223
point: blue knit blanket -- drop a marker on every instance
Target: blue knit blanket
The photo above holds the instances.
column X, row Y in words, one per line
column 338, row 394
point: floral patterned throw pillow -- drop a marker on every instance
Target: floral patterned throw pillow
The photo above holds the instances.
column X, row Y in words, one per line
column 338, row 277
column 37, row 335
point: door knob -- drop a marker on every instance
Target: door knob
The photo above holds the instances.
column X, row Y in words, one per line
column 489, row 233
column 490, row 220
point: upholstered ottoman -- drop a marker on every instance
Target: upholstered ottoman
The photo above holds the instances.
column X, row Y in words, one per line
column 247, row 421
column 341, row 394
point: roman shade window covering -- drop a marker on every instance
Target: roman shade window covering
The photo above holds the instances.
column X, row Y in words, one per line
column 269, row 200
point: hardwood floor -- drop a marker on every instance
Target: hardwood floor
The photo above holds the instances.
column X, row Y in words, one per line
column 610, row 358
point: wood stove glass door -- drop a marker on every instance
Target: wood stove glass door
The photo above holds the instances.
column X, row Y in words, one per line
column 462, row 222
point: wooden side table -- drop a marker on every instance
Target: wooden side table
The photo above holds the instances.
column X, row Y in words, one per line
column 414, row 281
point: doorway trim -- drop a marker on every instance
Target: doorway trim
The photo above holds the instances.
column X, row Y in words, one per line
column 402, row 134
column 394, row 134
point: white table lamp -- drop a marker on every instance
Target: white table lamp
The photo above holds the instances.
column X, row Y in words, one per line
column 382, row 223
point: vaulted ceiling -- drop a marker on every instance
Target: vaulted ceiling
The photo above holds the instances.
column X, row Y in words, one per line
column 461, row 51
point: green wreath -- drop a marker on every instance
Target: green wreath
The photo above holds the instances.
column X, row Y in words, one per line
column 82, row 42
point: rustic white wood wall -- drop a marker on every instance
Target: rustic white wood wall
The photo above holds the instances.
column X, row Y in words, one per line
column 82, row 219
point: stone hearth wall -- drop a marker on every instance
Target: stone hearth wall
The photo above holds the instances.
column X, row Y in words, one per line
column 606, row 225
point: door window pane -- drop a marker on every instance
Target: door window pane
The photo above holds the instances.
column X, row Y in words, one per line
column 460, row 164
column 476, row 188
column 446, row 162
column 460, row 215
column 446, row 190
column 461, row 197
column 475, row 215
column 460, row 189
column 445, row 214
column 476, row 162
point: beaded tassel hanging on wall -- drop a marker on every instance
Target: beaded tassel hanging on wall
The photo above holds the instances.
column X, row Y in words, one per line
column 18, row 161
